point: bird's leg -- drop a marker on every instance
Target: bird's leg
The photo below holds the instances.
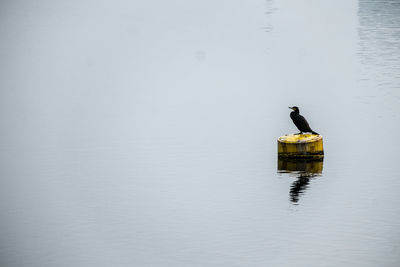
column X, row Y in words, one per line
column 299, row 133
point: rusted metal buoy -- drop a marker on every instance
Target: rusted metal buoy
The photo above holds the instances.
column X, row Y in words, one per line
column 302, row 146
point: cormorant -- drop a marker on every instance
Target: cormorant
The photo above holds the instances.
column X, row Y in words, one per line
column 300, row 122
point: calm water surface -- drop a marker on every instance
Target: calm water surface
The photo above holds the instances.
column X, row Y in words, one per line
column 142, row 133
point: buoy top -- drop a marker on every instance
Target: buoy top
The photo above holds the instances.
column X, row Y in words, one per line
column 299, row 138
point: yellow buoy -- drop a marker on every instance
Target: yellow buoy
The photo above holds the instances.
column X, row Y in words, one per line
column 301, row 146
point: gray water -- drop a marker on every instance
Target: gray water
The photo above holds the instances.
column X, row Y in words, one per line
column 143, row 133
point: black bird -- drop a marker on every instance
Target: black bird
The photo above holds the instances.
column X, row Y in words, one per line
column 300, row 122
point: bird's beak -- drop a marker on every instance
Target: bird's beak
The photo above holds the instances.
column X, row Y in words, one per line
column 291, row 108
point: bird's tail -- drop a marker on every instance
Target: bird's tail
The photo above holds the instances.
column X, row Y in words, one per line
column 314, row 133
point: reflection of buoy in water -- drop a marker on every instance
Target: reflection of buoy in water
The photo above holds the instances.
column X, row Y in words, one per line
column 305, row 146
column 305, row 166
column 304, row 170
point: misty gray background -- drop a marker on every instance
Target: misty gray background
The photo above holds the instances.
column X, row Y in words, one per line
column 143, row 133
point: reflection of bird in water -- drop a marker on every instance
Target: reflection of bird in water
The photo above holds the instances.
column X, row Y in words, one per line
column 298, row 187
column 300, row 122
column 304, row 171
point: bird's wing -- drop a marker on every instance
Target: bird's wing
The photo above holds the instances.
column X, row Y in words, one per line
column 302, row 124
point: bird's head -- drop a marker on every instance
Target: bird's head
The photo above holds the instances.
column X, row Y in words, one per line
column 295, row 109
